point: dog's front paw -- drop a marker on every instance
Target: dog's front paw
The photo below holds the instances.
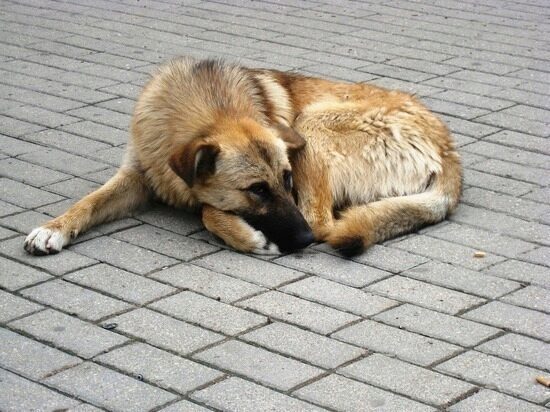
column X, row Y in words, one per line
column 44, row 241
column 263, row 246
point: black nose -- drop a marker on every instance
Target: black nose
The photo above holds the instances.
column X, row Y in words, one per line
column 302, row 239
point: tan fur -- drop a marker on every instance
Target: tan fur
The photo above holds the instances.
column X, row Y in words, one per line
column 203, row 132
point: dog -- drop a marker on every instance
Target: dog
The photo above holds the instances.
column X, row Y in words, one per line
column 275, row 161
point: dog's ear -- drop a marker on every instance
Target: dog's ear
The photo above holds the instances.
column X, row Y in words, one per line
column 292, row 139
column 195, row 161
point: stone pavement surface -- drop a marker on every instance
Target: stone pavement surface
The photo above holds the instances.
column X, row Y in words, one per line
column 150, row 313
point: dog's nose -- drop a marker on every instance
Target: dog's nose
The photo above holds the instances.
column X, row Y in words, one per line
column 303, row 239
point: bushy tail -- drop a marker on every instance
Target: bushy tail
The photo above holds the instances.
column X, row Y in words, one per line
column 361, row 226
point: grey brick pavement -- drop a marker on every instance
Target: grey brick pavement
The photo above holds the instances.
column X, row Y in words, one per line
column 151, row 313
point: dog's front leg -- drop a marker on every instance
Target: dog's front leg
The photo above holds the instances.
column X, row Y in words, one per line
column 314, row 198
column 236, row 232
column 118, row 197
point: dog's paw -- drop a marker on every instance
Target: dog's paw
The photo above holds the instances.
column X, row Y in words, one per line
column 44, row 241
column 262, row 246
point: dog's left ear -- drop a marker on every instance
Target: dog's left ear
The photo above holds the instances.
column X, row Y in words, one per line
column 194, row 161
column 291, row 137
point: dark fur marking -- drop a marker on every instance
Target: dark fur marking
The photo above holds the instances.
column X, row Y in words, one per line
column 350, row 246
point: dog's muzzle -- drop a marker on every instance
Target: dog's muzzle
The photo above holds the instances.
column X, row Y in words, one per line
column 283, row 225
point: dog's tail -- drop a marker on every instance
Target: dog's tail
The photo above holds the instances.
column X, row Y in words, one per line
column 361, row 226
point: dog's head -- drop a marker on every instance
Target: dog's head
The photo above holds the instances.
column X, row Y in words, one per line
column 242, row 167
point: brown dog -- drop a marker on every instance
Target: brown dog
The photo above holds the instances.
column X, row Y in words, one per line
column 275, row 161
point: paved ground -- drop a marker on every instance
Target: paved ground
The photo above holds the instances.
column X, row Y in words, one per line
column 150, row 313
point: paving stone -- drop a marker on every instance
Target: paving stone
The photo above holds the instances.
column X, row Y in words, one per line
column 392, row 341
column 462, row 279
column 540, row 256
column 102, row 116
column 58, row 264
column 16, row 147
column 520, row 141
column 532, row 297
column 121, row 284
column 490, row 401
column 238, row 394
column 415, row 382
column 206, row 282
column 539, row 195
column 482, row 239
column 28, row 173
column 30, row 358
column 123, row 255
column 173, row 220
column 15, row 128
column 8, row 209
column 74, row 188
column 454, row 109
column 74, row 299
column 333, row 268
column 164, row 331
column 159, row 367
column 25, row 222
column 497, row 183
column 68, row 142
column 24, row 195
column 99, row 132
column 446, row 252
column 520, row 124
column 468, row 127
column 6, row 233
column 208, row 313
column 184, row 406
column 503, row 375
column 248, row 268
column 519, row 349
column 502, row 223
column 112, row 155
column 424, row 294
column 69, row 333
column 522, row 272
column 301, row 312
column 12, row 307
column 167, row 243
column 516, row 319
column 438, row 325
column 390, row 259
column 499, row 151
column 109, row 389
column 298, row 343
column 63, row 161
column 503, row 203
column 343, row 394
column 474, row 100
column 516, row 171
column 258, row 364
column 15, row 276
column 19, row 394
column 339, row 296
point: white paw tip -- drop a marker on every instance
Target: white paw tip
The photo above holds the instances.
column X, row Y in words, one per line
column 43, row 241
column 263, row 245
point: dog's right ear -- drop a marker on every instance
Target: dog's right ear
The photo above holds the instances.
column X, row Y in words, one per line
column 195, row 161
column 293, row 140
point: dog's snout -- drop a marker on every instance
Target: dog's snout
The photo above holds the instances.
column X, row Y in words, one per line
column 303, row 239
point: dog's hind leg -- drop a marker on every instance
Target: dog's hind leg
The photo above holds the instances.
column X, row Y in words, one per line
column 122, row 194
column 237, row 233
column 363, row 225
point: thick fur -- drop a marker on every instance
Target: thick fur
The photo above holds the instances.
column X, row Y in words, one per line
column 368, row 164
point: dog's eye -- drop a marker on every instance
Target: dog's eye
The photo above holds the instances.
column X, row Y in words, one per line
column 260, row 189
column 287, row 179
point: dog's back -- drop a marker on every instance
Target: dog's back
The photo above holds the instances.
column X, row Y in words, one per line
column 390, row 165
